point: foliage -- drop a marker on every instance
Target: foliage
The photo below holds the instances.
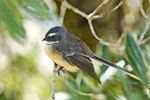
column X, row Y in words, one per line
column 22, row 79
column 121, row 84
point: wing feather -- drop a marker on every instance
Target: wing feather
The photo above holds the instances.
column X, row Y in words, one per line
column 83, row 63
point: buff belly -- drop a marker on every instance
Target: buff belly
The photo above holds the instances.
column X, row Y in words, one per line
column 59, row 60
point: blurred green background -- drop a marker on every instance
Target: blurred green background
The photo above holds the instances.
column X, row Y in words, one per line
column 26, row 72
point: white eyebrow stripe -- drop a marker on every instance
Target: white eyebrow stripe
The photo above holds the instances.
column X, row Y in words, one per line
column 52, row 34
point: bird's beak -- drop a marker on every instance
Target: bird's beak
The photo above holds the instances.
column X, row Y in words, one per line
column 44, row 39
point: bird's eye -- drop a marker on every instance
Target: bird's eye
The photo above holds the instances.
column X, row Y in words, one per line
column 48, row 38
column 53, row 37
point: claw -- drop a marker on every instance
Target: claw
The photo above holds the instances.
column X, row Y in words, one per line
column 60, row 70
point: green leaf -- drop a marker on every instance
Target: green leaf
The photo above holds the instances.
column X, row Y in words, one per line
column 36, row 8
column 135, row 58
column 11, row 20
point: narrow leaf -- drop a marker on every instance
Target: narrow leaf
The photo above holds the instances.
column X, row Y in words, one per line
column 135, row 58
column 11, row 20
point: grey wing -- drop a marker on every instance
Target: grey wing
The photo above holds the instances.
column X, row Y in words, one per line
column 83, row 63
column 75, row 55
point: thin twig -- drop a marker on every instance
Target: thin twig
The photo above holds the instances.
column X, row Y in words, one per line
column 141, row 41
column 144, row 41
column 119, row 42
column 144, row 32
column 62, row 12
column 100, row 40
column 116, row 7
column 54, row 82
column 91, row 17
column 97, row 9
column 92, row 30
column 69, row 6
column 139, row 3
column 103, row 14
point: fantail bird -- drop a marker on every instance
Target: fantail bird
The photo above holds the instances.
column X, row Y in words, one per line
column 71, row 53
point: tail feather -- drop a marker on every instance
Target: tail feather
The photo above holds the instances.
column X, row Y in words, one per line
column 104, row 61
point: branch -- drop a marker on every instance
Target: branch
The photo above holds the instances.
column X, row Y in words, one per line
column 100, row 40
column 69, row 6
column 139, row 3
column 97, row 9
column 144, row 32
column 62, row 13
column 54, row 82
column 90, row 17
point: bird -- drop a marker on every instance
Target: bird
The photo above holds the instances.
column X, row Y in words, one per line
column 71, row 53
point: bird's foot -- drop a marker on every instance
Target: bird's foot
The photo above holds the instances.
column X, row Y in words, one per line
column 60, row 71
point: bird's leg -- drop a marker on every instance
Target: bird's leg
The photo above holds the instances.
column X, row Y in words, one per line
column 60, row 70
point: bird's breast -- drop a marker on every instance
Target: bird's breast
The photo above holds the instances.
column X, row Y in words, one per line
column 55, row 56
